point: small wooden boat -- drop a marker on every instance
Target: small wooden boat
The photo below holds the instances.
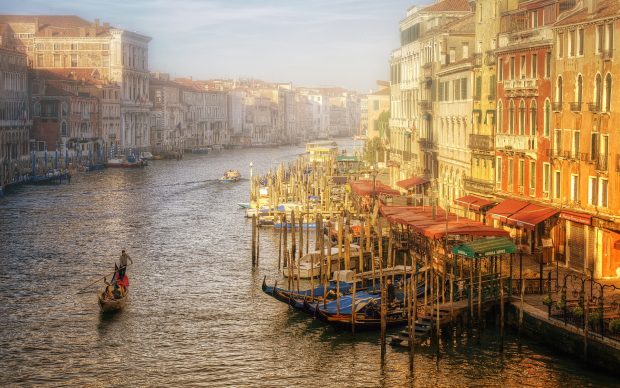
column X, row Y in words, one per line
column 125, row 162
column 310, row 264
column 231, row 176
column 107, row 304
column 243, row 205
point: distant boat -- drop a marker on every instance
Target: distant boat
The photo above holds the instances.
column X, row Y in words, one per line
column 231, row 176
column 243, row 205
column 307, row 269
column 125, row 162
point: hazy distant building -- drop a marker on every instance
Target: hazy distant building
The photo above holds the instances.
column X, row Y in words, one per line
column 378, row 102
column 55, row 42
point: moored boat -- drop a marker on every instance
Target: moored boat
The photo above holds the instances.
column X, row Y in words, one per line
column 310, row 265
column 125, row 162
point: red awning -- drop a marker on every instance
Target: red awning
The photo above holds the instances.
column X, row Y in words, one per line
column 581, row 218
column 412, row 182
column 505, row 209
column 531, row 215
column 473, row 202
column 367, row 188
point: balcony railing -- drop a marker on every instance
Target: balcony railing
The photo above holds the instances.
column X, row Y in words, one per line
column 601, row 163
column 516, row 142
column 575, row 106
column 489, row 60
column 594, row 107
column 477, row 185
column 523, row 83
column 425, row 104
column 557, row 106
column 481, row 142
column 426, row 144
column 477, row 59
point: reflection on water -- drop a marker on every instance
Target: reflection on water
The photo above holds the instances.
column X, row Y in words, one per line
column 196, row 313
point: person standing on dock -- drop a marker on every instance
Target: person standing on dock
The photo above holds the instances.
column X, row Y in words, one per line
column 391, row 292
column 123, row 259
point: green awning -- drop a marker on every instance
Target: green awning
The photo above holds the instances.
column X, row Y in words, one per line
column 492, row 246
column 347, row 158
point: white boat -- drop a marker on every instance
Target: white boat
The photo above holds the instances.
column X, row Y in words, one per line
column 243, row 205
column 145, row 155
column 306, row 268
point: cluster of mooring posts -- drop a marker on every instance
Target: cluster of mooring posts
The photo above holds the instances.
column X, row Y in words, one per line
column 379, row 259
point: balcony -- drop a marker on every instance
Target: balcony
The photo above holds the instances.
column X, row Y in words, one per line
column 477, row 59
column 556, row 106
column 594, row 107
column 520, row 143
column 490, row 60
column 575, row 106
column 16, row 123
column 478, row 185
column 601, row 163
column 481, row 142
column 426, row 105
column 426, row 144
column 521, row 87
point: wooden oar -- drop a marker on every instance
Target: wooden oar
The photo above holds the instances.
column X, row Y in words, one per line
column 98, row 279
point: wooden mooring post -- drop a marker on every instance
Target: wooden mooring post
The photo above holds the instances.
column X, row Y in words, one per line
column 253, row 240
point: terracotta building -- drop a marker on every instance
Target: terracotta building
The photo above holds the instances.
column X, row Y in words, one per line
column 585, row 159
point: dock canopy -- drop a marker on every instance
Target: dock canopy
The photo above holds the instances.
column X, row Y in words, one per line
column 531, row 215
column 366, row 188
column 505, row 209
column 412, row 182
column 347, row 158
column 473, row 202
column 482, row 247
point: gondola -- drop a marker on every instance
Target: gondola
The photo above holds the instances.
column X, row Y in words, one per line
column 111, row 304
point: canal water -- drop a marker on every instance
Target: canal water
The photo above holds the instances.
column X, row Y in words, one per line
column 197, row 315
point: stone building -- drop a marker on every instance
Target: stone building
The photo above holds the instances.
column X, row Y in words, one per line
column 15, row 121
column 70, row 42
column 167, row 113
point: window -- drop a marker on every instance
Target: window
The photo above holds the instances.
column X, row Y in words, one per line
column 546, row 177
column 534, row 73
column 557, row 145
column 465, row 50
column 534, row 19
column 63, row 129
column 547, row 118
column 501, row 69
column 57, row 62
column 452, row 55
column 40, row 60
column 456, row 89
column 512, row 67
column 580, row 41
column 492, row 86
column 610, row 38
column 600, row 38
column 576, row 144
column 375, row 105
column 579, row 89
column 602, row 199
column 478, row 91
column 74, row 60
column 532, row 177
column 574, row 187
column 594, row 145
column 463, row 88
column 592, row 190
column 56, row 46
column 572, row 43
column 511, row 118
column 608, row 93
column 37, row 109
column 499, row 169
column 558, row 91
column 598, row 91
column 500, row 116
column 522, row 118
column 521, row 174
column 533, row 118
column 560, row 45
column 74, row 46
column 557, row 188
column 522, row 67
column 547, row 64
column 510, row 174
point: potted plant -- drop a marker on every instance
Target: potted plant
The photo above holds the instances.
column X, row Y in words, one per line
column 614, row 326
column 594, row 318
column 547, row 301
column 578, row 312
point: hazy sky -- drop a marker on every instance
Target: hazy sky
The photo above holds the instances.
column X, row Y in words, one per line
column 309, row 42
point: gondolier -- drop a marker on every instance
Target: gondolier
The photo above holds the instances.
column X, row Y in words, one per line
column 123, row 259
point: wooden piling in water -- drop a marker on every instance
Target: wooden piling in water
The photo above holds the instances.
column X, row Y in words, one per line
column 253, row 240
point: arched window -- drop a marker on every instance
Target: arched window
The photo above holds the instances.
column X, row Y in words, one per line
column 579, row 90
column 511, row 118
column 547, row 118
column 608, row 93
column 598, row 92
column 558, row 91
column 522, row 118
column 500, row 116
column 533, row 118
